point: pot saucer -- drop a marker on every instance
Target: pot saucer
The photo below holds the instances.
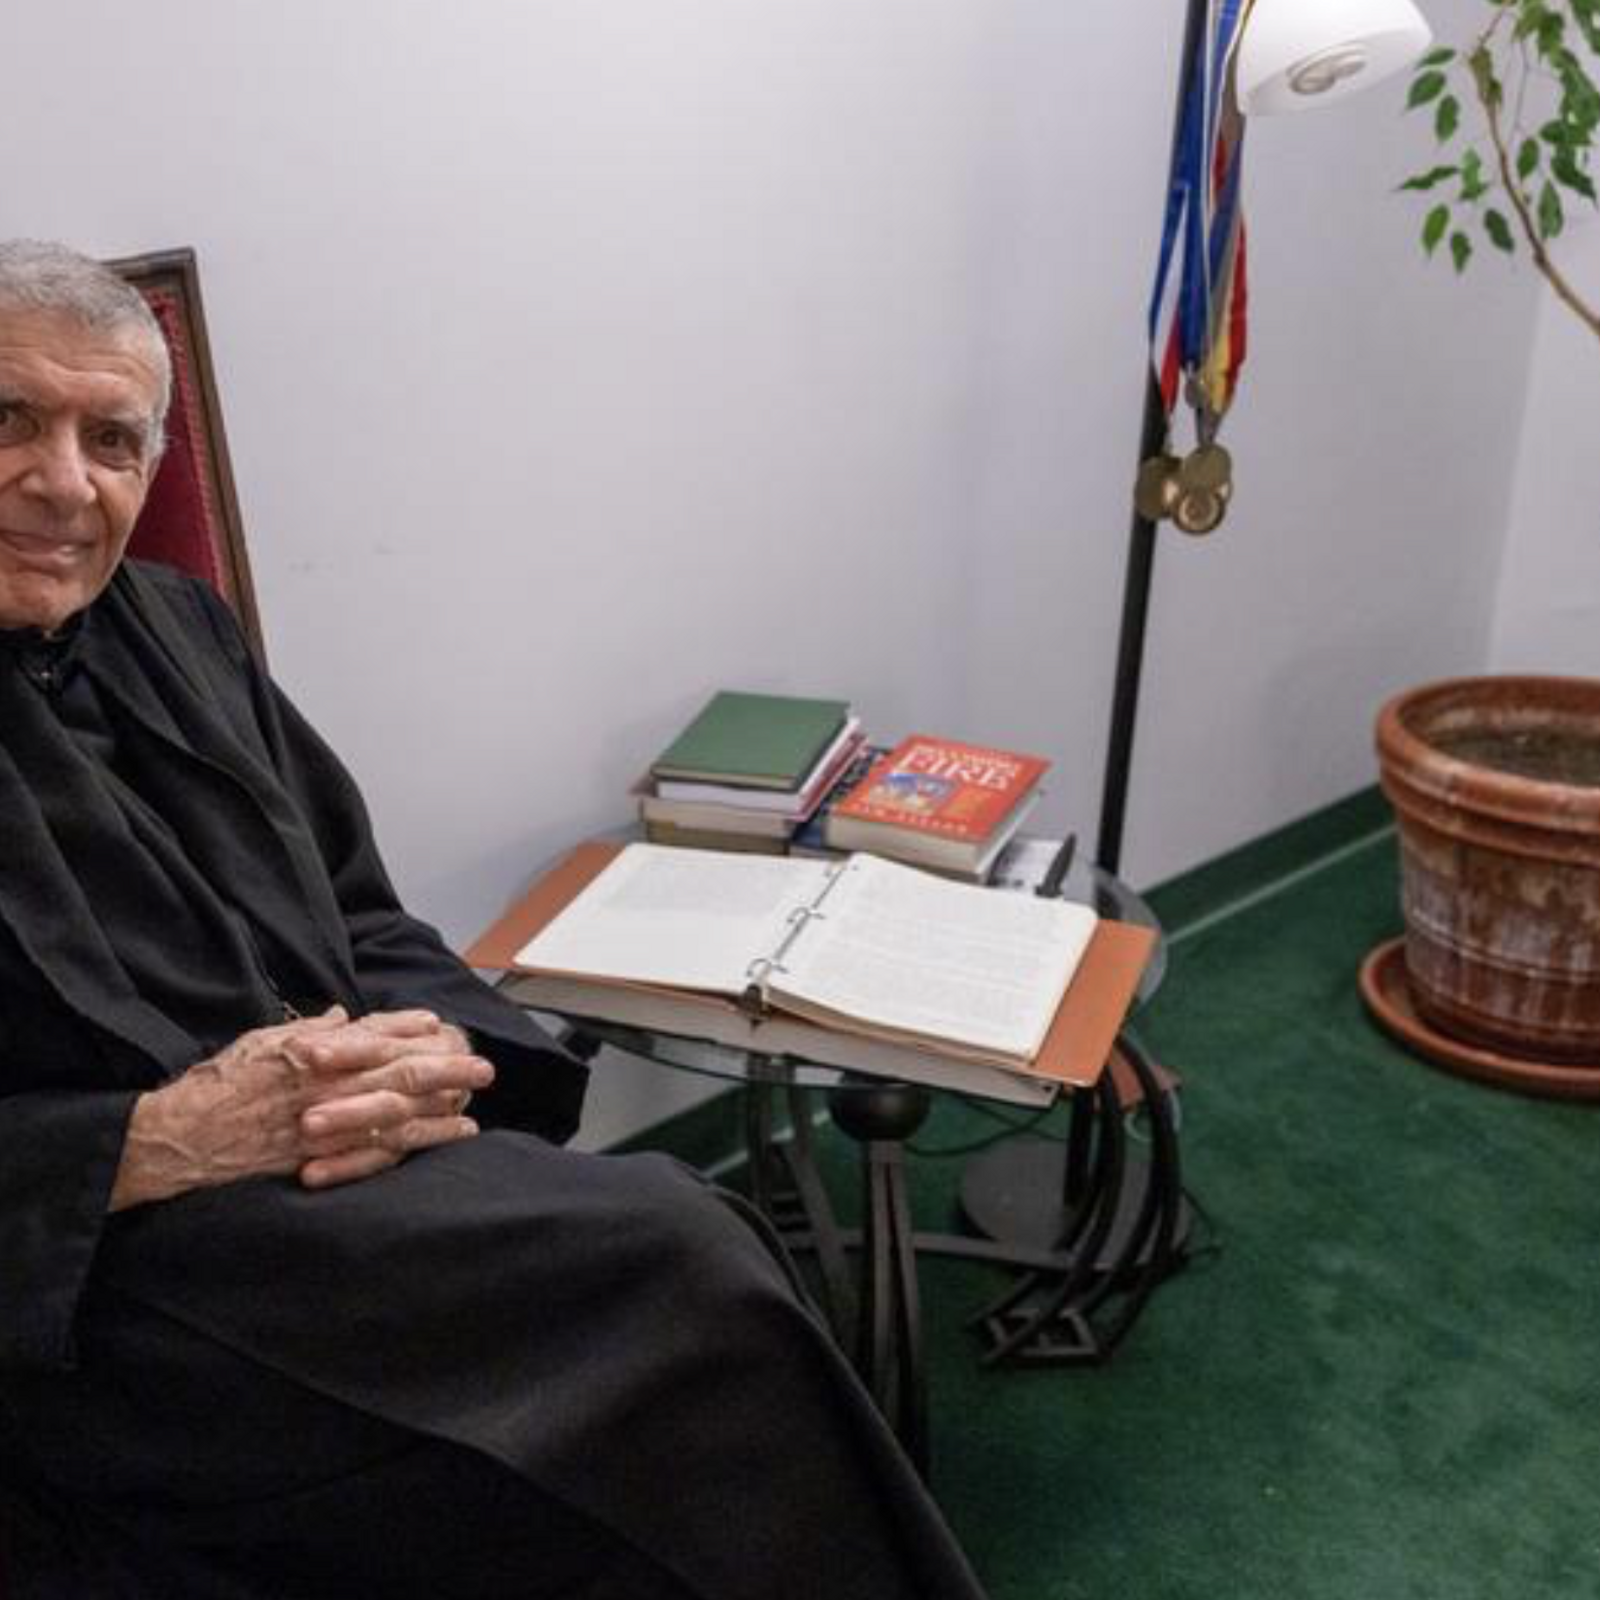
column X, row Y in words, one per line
column 1387, row 993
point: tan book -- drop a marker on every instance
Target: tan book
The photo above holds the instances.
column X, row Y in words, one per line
column 1006, row 996
column 690, row 814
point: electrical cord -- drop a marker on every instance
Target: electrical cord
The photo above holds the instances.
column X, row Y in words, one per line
column 1009, row 1128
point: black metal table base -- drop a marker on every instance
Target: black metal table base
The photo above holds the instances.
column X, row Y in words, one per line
column 876, row 1314
column 1014, row 1192
column 1113, row 1215
column 1079, row 1283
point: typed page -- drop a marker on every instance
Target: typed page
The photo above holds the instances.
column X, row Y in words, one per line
column 693, row 919
column 904, row 950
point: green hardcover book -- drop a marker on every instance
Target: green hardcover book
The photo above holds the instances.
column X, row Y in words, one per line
column 762, row 741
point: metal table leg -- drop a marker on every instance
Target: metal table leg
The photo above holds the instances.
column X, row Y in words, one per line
column 787, row 1187
column 889, row 1329
column 1119, row 1234
column 1075, row 1295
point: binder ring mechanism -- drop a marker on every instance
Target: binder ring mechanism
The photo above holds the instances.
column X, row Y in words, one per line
column 753, row 1002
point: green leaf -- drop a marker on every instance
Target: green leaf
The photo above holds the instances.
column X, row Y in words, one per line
column 1444, row 54
column 1570, row 175
column 1433, row 226
column 1473, row 183
column 1490, row 90
column 1580, row 104
column 1551, row 215
column 1499, row 231
column 1587, row 13
column 1431, row 178
column 1555, row 132
column 1527, row 158
column 1447, row 118
column 1534, row 20
column 1460, row 250
column 1425, row 86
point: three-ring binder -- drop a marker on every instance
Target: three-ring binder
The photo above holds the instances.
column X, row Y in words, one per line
column 753, row 1001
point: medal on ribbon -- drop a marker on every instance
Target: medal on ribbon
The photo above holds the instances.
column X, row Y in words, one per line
column 1197, row 309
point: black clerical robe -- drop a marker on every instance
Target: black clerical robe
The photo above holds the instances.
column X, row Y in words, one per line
column 183, row 857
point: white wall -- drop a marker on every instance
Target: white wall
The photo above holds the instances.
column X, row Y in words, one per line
column 1547, row 616
column 582, row 356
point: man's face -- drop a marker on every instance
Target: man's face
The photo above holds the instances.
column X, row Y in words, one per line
column 76, row 458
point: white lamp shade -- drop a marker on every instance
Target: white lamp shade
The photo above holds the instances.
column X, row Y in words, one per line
column 1298, row 54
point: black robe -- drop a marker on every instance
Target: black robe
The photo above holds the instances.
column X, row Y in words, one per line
column 180, row 1382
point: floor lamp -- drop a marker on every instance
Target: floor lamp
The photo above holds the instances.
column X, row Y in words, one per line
column 1292, row 55
column 1289, row 55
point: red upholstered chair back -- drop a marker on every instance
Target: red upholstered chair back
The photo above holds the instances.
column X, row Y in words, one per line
column 191, row 517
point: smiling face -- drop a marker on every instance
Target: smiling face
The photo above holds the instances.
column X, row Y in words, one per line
column 78, row 448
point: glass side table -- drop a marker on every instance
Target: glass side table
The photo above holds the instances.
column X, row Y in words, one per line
column 1080, row 1277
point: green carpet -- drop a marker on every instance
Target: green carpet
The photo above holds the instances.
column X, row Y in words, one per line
column 1380, row 1383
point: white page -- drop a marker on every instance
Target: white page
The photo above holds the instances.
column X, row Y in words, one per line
column 691, row 918
column 905, row 949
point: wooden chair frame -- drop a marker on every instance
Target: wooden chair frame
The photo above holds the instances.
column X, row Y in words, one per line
column 170, row 280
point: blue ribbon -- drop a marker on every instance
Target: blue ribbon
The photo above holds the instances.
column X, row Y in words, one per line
column 1205, row 240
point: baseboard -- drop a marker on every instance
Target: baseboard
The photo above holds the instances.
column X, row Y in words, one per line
column 711, row 1134
column 1242, row 871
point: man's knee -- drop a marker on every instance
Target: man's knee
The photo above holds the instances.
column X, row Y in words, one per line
column 690, row 1236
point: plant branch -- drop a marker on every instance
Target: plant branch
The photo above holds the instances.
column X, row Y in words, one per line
column 1483, row 84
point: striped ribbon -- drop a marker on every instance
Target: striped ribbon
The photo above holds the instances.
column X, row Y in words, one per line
column 1197, row 309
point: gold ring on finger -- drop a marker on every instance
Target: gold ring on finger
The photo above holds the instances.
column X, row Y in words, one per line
column 375, row 1135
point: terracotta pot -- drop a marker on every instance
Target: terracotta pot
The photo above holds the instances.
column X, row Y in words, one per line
column 1501, row 868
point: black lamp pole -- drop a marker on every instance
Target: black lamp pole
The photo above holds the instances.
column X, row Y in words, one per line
column 1026, row 1192
column 1141, row 554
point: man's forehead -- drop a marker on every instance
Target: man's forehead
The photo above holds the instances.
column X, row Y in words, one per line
column 54, row 358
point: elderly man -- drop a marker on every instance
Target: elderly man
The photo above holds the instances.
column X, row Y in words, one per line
column 278, row 1317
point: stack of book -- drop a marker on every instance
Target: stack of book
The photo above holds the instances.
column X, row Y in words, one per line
column 811, row 837
column 939, row 804
column 747, row 771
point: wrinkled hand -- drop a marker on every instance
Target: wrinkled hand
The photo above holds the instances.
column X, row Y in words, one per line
column 412, row 1094
column 324, row 1097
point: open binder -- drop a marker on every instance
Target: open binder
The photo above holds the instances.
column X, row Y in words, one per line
column 756, row 999
column 581, row 966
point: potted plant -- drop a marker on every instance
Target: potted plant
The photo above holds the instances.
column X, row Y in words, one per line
column 1495, row 781
column 1496, row 786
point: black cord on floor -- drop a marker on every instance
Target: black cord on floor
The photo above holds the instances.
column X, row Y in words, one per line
column 1009, row 1127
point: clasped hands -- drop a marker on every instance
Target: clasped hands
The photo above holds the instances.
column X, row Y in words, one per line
column 327, row 1098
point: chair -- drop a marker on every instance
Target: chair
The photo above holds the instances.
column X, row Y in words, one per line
column 191, row 517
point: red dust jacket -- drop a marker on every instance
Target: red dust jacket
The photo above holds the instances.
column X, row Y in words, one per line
column 943, row 788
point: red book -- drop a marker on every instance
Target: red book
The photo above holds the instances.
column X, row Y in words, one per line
column 938, row 802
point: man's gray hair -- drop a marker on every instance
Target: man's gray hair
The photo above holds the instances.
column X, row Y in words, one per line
column 37, row 276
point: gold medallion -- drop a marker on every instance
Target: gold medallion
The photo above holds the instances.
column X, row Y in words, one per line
column 1199, row 510
column 1155, row 490
column 1209, row 467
